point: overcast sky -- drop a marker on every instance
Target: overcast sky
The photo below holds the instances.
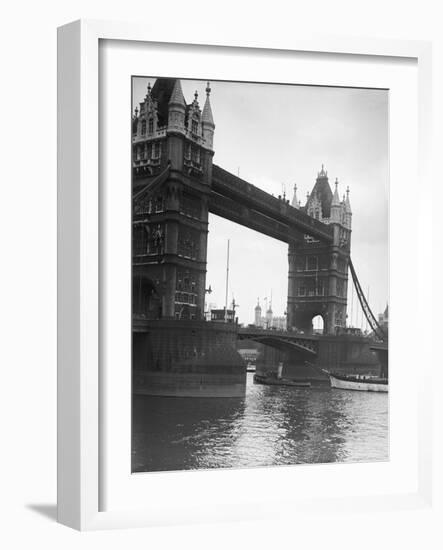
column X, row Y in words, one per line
column 278, row 135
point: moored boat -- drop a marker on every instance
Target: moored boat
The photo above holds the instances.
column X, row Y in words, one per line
column 272, row 380
column 358, row 382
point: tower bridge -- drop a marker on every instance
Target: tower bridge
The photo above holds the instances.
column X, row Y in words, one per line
column 175, row 187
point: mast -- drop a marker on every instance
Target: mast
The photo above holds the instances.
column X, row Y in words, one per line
column 227, row 285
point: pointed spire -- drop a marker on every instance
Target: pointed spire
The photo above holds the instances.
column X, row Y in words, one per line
column 177, row 97
column 336, row 198
column 323, row 173
column 347, row 203
column 207, row 111
column 336, row 205
column 295, row 202
column 195, row 102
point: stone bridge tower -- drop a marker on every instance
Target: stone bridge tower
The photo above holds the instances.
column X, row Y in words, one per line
column 318, row 272
column 172, row 147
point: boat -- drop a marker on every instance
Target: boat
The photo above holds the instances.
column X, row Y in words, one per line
column 358, row 382
column 273, row 380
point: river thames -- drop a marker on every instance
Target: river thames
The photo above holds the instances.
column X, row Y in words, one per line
column 271, row 425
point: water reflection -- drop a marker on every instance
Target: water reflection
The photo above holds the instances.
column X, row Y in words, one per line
column 270, row 426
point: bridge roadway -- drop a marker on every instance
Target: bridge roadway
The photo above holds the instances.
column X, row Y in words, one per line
column 241, row 202
column 281, row 339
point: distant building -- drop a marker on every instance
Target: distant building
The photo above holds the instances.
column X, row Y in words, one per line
column 268, row 321
column 257, row 314
column 383, row 318
column 279, row 322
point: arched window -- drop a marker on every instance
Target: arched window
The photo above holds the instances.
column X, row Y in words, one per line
column 143, row 129
column 140, row 240
column 195, row 152
column 188, row 151
column 318, row 324
column 194, row 126
column 156, row 150
column 151, row 126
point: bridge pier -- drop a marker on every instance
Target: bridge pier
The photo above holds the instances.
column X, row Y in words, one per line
column 187, row 359
column 347, row 354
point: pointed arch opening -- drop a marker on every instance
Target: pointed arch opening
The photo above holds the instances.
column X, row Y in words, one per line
column 318, row 324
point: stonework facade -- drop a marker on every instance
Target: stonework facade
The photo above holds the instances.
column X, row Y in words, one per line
column 318, row 272
column 172, row 147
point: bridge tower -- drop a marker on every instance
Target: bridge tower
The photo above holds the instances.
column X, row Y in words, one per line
column 318, row 272
column 172, row 147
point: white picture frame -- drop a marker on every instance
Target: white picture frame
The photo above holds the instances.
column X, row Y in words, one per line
column 80, row 411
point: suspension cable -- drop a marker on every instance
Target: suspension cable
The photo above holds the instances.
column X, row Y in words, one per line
column 378, row 331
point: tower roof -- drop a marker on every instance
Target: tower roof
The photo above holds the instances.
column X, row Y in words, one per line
column 177, row 96
column 323, row 192
column 162, row 91
column 207, row 111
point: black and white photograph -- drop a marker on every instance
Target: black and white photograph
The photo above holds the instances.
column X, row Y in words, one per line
column 221, row 274
column 260, row 274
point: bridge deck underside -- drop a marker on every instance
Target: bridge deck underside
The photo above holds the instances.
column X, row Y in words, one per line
column 283, row 341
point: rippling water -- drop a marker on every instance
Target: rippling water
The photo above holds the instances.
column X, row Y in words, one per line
column 271, row 425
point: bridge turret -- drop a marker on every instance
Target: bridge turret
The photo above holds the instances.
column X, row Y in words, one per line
column 208, row 121
column 348, row 211
column 177, row 108
column 336, row 206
